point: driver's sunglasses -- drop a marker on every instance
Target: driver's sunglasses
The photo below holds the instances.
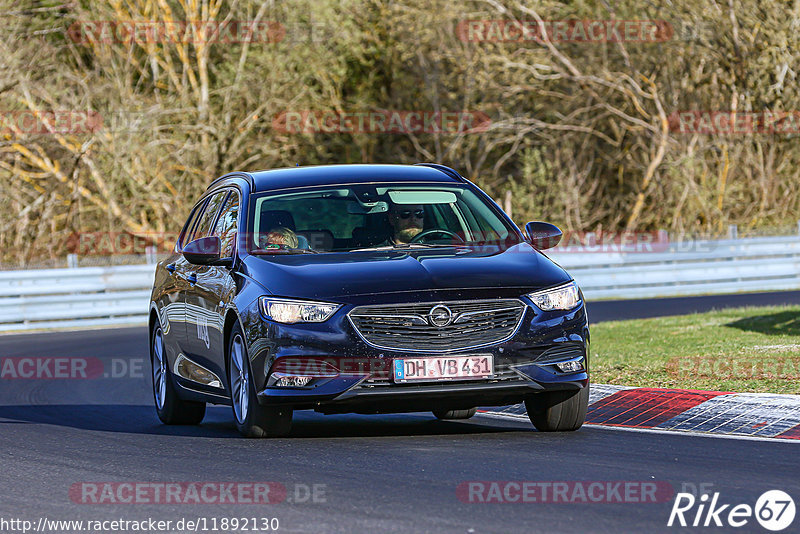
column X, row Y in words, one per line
column 405, row 214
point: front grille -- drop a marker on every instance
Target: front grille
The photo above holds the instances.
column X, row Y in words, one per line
column 409, row 327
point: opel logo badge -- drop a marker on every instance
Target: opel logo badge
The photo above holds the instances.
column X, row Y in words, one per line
column 440, row 315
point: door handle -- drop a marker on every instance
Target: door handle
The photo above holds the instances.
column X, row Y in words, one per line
column 171, row 268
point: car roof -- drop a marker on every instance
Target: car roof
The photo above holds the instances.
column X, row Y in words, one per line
column 347, row 174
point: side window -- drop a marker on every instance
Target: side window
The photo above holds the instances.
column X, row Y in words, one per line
column 445, row 216
column 225, row 228
column 480, row 217
column 203, row 226
column 187, row 229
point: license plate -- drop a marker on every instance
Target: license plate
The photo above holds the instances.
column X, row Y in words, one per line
column 443, row 368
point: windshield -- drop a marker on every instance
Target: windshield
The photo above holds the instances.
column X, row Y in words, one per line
column 369, row 216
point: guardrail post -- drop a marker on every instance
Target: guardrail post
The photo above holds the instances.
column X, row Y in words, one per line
column 72, row 261
column 150, row 254
column 733, row 231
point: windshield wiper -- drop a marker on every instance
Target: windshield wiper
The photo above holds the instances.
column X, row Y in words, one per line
column 423, row 245
column 367, row 249
column 277, row 251
column 403, row 246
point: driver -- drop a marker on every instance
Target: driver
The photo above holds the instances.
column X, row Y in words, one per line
column 406, row 220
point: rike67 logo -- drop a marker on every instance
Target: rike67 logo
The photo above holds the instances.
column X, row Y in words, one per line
column 774, row 510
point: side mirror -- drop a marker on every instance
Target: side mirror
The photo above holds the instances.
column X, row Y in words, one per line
column 203, row 251
column 542, row 235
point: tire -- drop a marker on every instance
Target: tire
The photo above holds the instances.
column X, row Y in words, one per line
column 252, row 420
column 455, row 414
column 171, row 409
column 558, row 411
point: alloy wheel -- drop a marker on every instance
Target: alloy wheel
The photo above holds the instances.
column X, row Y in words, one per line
column 240, row 379
column 159, row 369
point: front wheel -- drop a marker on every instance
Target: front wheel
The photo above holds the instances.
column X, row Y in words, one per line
column 171, row 409
column 252, row 419
column 558, row 411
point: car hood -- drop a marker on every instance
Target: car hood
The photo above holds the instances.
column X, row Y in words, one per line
column 337, row 276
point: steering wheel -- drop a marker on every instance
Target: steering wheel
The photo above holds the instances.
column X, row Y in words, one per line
column 417, row 238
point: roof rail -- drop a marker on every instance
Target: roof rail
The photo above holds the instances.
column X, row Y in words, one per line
column 445, row 169
column 235, row 174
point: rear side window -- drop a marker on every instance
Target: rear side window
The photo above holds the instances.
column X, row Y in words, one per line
column 225, row 228
column 192, row 222
column 204, row 224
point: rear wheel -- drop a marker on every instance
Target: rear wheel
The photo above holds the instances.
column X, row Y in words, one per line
column 252, row 419
column 558, row 411
column 171, row 409
column 455, row 414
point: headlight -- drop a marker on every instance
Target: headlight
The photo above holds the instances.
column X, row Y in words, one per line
column 563, row 297
column 296, row 311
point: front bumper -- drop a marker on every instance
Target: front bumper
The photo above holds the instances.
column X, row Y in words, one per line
column 524, row 365
column 356, row 398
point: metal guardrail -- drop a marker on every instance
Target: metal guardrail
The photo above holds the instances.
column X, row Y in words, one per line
column 84, row 296
column 95, row 296
column 690, row 268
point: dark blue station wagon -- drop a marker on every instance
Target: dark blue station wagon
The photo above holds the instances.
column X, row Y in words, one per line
column 363, row 289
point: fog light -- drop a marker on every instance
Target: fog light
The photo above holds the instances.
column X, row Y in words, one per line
column 571, row 366
column 291, row 381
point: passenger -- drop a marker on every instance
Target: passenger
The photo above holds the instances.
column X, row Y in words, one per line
column 280, row 236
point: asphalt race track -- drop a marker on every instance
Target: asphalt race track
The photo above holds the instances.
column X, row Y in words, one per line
column 617, row 310
column 393, row 473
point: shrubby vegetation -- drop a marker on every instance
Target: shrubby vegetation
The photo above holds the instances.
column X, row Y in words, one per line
column 582, row 133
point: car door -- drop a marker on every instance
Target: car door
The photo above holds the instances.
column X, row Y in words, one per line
column 211, row 288
column 172, row 300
